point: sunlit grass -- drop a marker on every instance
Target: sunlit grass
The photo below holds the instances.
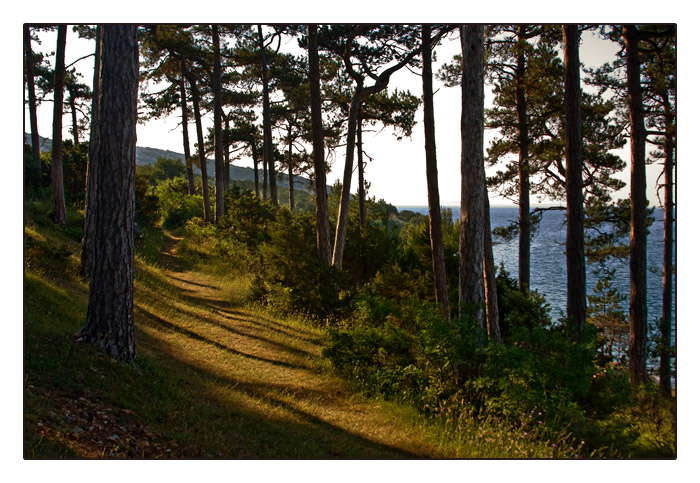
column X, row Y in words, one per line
column 214, row 377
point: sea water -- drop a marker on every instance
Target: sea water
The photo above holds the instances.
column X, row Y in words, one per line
column 548, row 260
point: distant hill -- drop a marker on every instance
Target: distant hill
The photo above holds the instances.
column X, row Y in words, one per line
column 145, row 156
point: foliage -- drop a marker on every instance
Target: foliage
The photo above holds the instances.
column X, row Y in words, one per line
column 175, row 205
column 163, row 169
column 147, row 209
column 246, row 217
column 291, row 278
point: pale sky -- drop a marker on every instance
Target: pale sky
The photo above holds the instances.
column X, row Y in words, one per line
column 397, row 172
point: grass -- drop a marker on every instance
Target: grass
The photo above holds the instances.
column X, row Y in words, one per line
column 213, row 377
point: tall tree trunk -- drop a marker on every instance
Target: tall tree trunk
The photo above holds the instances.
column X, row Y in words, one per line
column 200, row 142
column 87, row 253
column 493, row 319
column 525, row 224
column 264, row 176
column 218, row 145
column 255, row 167
column 268, row 152
column 59, row 203
column 344, row 205
column 471, row 229
column 74, row 118
column 431, row 170
column 322, row 224
column 381, row 82
column 290, row 177
column 185, row 134
column 227, row 157
column 110, row 318
column 361, row 175
column 638, row 237
column 575, row 255
column 669, row 214
column 33, row 126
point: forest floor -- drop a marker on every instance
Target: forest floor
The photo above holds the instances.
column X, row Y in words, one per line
column 213, row 378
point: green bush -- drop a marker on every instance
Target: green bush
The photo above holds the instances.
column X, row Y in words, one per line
column 176, row 207
column 246, row 218
column 147, row 209
column 291, row 278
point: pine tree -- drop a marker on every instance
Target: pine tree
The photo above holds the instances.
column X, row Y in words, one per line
column 110, row 318
column 59, row 203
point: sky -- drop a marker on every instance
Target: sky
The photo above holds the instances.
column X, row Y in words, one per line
column 396, row 170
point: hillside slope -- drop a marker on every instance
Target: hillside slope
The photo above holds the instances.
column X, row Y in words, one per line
column 147, row 155
column 213, row 377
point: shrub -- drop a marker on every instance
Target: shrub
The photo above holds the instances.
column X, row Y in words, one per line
column 146, row 201
column 246, row 218
column 175, row 205
column 291, row 278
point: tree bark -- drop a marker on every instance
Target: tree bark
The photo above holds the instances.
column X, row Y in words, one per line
column 361, row 175
column 290, row 176
column 493, row 319
column 254, row 152
column 638, row 237
column 87, row 252
column 59, row 203
column 110, row 318
column 74, row 117
column 525, row 224
column 471, row 229
column 200, row 142
column 344, row 205
column 185, row 134
column 36, row 148
column 669, row 215
column 264, row 164
column 322, row 218
column 436, row 244
column 381, row 82
column 575, row 255
column 268, row 152
column 227, row 156
column 218, row 146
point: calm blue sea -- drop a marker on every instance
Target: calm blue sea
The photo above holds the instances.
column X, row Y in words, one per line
column 548, row 262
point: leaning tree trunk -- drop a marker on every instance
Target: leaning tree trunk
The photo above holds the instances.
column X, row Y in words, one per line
column 344, row 205
column 185, row 133
column 436, row 244
column 638, row 237
column 218, row 145
column 36, row 148
column 361, row 175
column 525, row 224
column 87, row 253
column 268, row 152
column 74, row 117
column 667, row 298
column 59, row 203
column 322, row 224
column 202, row 155
column 471, row 227
column 110, row 318
column 575, row 256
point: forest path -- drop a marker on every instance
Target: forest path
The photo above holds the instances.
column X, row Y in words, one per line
column 262, row 375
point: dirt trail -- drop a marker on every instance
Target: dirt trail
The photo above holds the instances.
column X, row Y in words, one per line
column 267, row 368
